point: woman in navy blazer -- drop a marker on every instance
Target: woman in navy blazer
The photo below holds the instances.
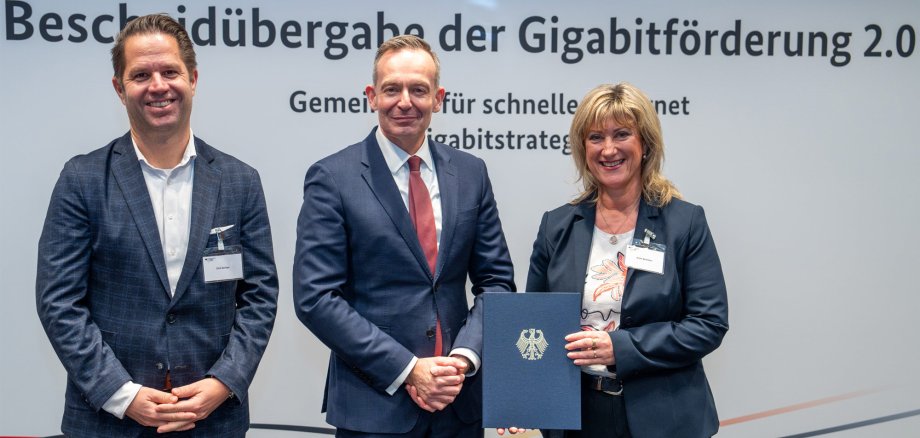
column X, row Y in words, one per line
column 644, row 333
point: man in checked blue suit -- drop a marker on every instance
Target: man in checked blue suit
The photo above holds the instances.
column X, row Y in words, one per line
column 389, row 231
column 156, row 281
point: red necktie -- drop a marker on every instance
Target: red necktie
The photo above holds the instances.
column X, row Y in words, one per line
column 423, row 219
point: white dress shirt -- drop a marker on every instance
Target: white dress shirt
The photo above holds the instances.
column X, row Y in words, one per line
column 397, row 160
column 170, row 193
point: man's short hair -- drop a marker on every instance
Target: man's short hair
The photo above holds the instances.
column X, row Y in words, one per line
column 407, row 42
column 153, row 24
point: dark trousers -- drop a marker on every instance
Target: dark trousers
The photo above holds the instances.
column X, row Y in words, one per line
column 440, row 424
column 602, row 415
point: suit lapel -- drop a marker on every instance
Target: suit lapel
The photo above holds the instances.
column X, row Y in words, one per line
column 647, row 219
column 205, row 194
column 580, row 242
column 130, row 179
column 380, row 180
column 448, row 186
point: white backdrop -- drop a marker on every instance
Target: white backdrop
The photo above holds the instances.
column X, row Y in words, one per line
column 806, row 166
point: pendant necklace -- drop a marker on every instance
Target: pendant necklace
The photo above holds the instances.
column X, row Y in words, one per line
column 613, row 236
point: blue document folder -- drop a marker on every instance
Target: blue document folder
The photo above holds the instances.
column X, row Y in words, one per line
column 527, row 380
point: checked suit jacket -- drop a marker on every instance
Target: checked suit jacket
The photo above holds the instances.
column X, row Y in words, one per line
column 102, row 291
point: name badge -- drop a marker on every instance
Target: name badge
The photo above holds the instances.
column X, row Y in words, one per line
column 645, row 256
column 223, row 265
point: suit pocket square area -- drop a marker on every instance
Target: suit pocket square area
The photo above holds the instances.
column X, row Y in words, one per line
column 218, row 230
column 227, row 233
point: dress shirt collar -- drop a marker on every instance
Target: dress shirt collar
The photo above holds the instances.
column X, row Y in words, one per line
column 190, row 152
column 396, row 158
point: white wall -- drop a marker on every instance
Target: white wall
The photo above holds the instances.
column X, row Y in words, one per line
column 807, row 171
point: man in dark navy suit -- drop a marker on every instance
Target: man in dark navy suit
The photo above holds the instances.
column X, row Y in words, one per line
column 156, row 281
column 390, row 229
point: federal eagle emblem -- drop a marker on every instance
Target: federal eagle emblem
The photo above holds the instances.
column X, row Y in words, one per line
column 532, row 344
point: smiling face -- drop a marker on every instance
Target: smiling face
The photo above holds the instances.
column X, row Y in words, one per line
column 405, row 95
column 613, row 155
column 156, row 87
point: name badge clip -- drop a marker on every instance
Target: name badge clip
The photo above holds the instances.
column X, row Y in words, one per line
column 649, row 236
column 645, row 255
column 220, row 235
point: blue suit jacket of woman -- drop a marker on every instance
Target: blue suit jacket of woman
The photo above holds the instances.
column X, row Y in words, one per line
column 669, row 321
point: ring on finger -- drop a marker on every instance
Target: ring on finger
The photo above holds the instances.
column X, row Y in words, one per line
column 594, row 343
column 595, row 354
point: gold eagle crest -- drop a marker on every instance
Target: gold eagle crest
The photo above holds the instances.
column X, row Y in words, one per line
column 532, row 344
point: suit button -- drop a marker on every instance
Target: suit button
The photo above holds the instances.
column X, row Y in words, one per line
column 171, row 318
column 436, row 285
column 429, row 333
column 159, row 365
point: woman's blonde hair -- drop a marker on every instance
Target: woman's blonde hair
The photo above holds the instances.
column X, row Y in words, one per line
column 627, row 106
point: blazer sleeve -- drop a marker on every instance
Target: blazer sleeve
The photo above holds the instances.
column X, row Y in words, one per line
column 539, row 260
column 489, row 268
column 256, row 296
column 703, row 319
column 321, row 269
column 61, row 289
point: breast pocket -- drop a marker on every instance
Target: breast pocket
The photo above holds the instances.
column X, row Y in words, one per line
column 230, row 236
